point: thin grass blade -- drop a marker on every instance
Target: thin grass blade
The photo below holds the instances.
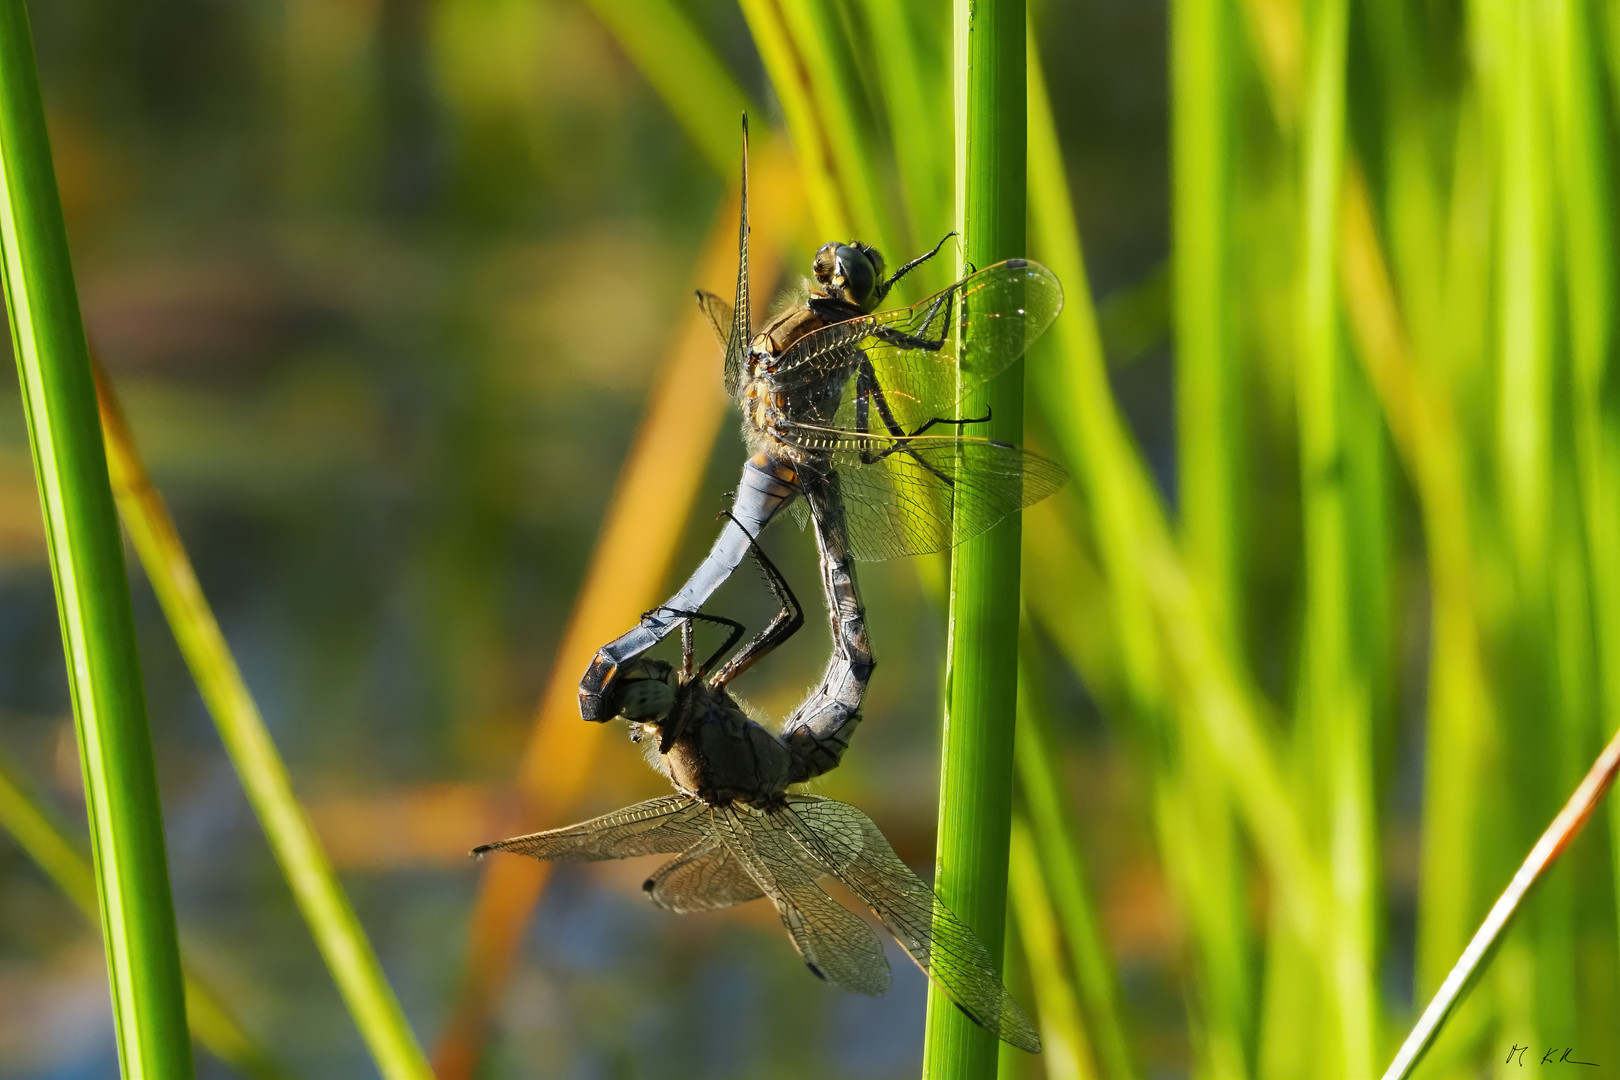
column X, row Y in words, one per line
column 1559, row 835
column 44, row 841
column 1161, row 617
column 1056, row 868
column 304, row 863
column 92, row 589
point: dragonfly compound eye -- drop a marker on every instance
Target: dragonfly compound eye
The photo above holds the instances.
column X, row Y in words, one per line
column 646, row 691
column 855, row 274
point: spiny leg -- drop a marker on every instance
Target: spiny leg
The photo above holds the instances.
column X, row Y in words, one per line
column 736, row 628
column 766, row 486
column 883, row 289
column 786, row 623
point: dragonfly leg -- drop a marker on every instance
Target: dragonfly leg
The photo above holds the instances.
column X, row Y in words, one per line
column 820, row 729
column 947, row 299
column 687, row 618
column 786, row 623
column 868, row 393
column 883, row 289
column 767, row 485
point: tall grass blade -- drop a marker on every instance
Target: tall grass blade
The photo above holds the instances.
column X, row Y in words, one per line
column 1336, row 443
column 982, row 674
column 92, row 589
column 304, row 863
column 1065, row 1050
column 1563, row 830
column 44, row 841
column 1160, row 616
column 1210, row 481
column 1587, row 236
column 1056, row 862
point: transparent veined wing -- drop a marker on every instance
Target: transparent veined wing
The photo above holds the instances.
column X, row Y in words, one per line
column 706, row 877
column 655, row 827
column 836, row 943
column 941, row 944
column 719, row 315
column 914, row 353
column 741, row 313
column 924, row 493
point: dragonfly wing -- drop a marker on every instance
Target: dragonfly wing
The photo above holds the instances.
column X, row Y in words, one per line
column 737, row 339
column 705, row 878
column 924, row 357
column 836, row 943
column 658, row 826
column 927, row 493
column 941, row 944
column 717, row 313
column 721, row 320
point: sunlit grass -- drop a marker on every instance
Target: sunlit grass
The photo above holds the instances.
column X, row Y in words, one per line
column 92, row 591
column 304, row 863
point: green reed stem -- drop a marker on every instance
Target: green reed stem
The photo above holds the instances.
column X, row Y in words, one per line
column 1337, row 438
column 1209, row 403
column 1587, row 238
column 1210, row 444
column 92, row 590
column 304, row 863
column 1038, row 930
column 976, row 769
column 1160, row 621
column 1055, row 856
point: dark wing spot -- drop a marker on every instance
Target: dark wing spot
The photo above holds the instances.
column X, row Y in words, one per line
column 480, row 851
column 817, row 972
column 649, row 885
column 1016, row 264
column 969, row 1015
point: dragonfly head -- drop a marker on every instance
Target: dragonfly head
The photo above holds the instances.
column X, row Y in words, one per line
column 646, row 691
column 850, row 272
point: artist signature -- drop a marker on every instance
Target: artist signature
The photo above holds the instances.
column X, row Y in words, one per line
column 1551, row 1057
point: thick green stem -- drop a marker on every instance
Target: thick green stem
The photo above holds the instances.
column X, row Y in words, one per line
column 982, row 682
column 92, row 590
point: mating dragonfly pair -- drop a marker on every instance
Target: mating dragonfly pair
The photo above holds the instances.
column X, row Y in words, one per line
column 857, row 410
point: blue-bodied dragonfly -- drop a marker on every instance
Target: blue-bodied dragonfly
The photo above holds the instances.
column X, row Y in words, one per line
column 858, row 410
column 738, row 834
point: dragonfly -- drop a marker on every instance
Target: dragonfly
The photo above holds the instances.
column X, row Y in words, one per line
column 737, row 834
column 856, row 409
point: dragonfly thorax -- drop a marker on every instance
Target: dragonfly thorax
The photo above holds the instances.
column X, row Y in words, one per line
column 712, row 750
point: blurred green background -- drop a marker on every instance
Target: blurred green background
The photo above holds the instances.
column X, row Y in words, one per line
column 1319, row 634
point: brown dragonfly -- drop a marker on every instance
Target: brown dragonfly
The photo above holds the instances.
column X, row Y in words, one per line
column 738, row 834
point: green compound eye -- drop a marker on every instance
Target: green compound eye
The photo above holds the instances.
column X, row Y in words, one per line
column 646, row 699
